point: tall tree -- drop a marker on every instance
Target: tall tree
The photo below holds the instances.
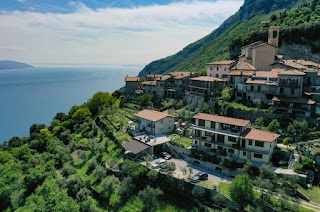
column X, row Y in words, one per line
column 241, row 191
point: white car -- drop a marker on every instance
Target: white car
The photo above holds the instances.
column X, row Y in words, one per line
column 159, row 164
column 166, row 155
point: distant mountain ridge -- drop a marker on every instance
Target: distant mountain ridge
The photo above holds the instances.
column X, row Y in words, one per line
column 6, row 64
column 247, row 26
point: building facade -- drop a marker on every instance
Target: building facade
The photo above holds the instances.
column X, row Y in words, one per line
column 132, row 84
column 154, row 122
column 233, row 137
column 220, row 69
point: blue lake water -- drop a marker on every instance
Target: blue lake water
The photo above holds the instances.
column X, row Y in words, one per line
column 35, row 95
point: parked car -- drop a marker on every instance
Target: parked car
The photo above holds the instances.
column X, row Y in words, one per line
column 166, row 155
column 199, row 177
column 162, row 163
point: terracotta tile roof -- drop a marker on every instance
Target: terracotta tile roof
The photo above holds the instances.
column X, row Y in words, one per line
column 293, row 64
column 300, row 100
column 181, row 74
column 223, row 62
column 266, row 74
column 149, row 83
column 240, row 72
column 152, row 115
column 164, row 78
column 253, row 44
column 260, row 135
column 206, row 79
column 291, row 72
column 222, row 119
column 154, row 75
column 243, row 66
column 132, row 79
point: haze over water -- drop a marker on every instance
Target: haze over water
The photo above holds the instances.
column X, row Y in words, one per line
column 35, row 95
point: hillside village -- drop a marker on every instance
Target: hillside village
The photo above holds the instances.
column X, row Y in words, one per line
column 260, row 77
column 288, row 86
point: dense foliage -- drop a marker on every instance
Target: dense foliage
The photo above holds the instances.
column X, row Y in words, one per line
column 76, row 164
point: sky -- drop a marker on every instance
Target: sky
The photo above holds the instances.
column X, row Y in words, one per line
column 105, row 31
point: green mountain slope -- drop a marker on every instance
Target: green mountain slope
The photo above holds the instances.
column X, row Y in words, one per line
column 249, row 24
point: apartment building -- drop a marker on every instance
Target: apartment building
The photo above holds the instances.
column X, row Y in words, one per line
column 233, row 137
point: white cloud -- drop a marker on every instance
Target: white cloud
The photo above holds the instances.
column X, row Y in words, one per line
column 112, row 35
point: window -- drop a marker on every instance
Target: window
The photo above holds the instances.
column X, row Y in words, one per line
column 217, row 75
column 231, row 79
column 259, row 88
column 195, row 142
column 256, row 155
column 197, row 133
column 213, row 125
column 292, row 91
column 259, row 143
column 201, row 122
column 210, row 68
column 250, row 142
column 220, row 138
column 208, row 134
column 220, row 148
column 274, row 34
column 245, row 80
column 231, row 150
column 281, row 90
column 217, row 68
column 244, row 153
column 207, row 145
column 225, row 69
column 210, row 75
column 232, row 139
column 252, row 87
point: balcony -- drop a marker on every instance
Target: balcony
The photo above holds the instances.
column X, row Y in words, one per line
column 226, row 131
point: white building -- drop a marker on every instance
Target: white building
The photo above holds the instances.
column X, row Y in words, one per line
column 233, row 137
column 154, row 122
column 220, row 69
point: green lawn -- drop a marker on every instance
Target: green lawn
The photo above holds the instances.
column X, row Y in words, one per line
column 223, row 188
column 181, row 141
column 207, row 184
column 313, row 194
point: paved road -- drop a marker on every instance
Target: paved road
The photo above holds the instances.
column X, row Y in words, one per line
column 213, row 176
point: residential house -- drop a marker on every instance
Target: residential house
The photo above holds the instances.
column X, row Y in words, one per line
column 149, row 87
column 299, row 106
column 262, row 85
column 220, row 69
column 233, row 137
column 238, row 76
column 163, row 83
column 132, row 84
column 180, row 84
column 203, row 88
column 154, row 122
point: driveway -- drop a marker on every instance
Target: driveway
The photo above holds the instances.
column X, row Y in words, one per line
column 213, row 176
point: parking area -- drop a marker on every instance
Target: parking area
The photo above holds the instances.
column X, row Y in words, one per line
column 183, row 169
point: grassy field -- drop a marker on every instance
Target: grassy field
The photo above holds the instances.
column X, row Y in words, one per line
column 181, row 141
column 313, row 194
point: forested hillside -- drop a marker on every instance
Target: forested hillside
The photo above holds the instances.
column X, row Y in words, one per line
column 299, row 21
column 76, row 164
